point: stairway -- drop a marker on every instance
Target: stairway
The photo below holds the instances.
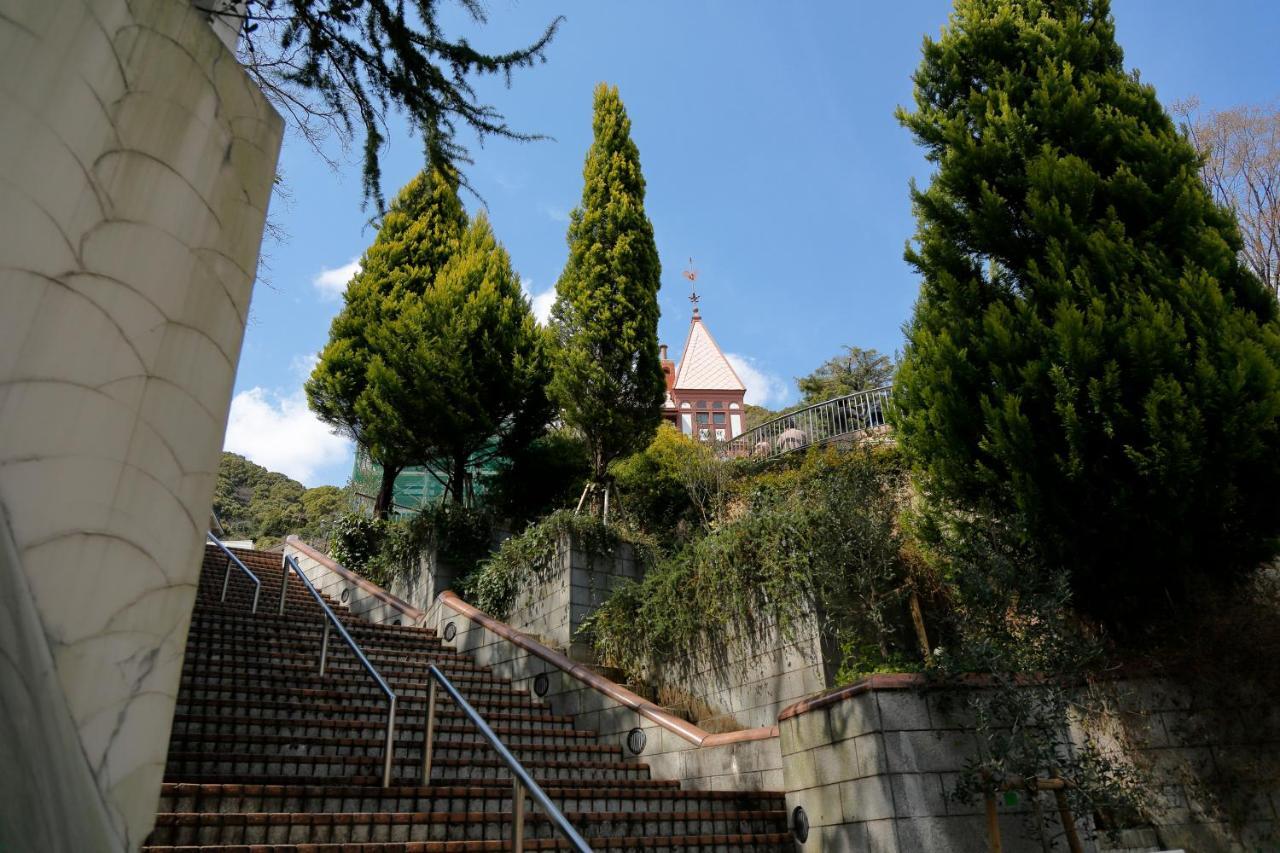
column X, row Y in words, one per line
column 266, row 756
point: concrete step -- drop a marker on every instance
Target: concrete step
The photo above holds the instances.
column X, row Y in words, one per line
column 650, row 796
column 360, row 687
column 774, row 842
column 310, row 707
column 325, row 769
column 391, row 827
column 453, row 727
column 408, row 743
column 339, row 661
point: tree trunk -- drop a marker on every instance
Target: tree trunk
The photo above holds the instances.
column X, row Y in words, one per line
column 386, row 492
column 458, row 479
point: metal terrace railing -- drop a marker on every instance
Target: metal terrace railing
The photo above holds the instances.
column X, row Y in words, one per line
column 831, row 420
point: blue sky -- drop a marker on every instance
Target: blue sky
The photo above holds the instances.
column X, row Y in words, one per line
column 767, row 137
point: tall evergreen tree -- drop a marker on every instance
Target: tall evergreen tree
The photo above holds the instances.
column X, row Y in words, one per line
column 856, row 370
column 419, row 234
column 1087, row 355
column 464, row 366
column 608, row 379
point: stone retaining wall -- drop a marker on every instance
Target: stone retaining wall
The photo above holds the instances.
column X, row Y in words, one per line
column 875, row 765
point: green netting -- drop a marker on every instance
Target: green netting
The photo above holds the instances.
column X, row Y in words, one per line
column 415, row 488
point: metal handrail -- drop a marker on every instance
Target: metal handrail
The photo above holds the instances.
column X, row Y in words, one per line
column 232, row 558
column 521, row 780
column 331, row 619
column 814, row 424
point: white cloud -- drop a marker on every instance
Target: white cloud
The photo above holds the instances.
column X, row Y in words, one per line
column 555, row 213
column 332, row 283
column 763, row 388
column 542, row 300
column 281, row 434
column 303, row 364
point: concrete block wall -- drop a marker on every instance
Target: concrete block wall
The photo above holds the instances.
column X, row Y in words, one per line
column 729, row 686
column 745, row 683
column 554, row 605
column 875, row 765
column 136, row 164
column 1211, row 759
column 873, row 770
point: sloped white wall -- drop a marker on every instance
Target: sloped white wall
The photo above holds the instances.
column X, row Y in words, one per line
column 136, row 163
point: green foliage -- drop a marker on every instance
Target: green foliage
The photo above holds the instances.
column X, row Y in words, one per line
column 608, row 379
column 1010, row 620
column 331, row 63
column 857, row 370
column 462, row 366
column 352, row 388
column 436, row 358
column 356, row 542
column 1087, row 355
column 254, row 503
column 532, row 481
column 672, row 487
column 528, row 556
column 815, row 539
column 384, row 550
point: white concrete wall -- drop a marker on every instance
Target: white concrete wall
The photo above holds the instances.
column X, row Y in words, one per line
column 136, row 163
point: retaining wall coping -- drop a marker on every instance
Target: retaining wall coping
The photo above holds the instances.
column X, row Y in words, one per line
column 914, row 680
column 885, row 681
column 686, row 730
column 368, row 586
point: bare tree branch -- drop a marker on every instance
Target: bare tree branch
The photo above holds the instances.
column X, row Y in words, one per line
column 1241, row 151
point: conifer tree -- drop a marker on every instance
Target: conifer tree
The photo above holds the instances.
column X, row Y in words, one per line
column 608, row 379
column 464, row 366
column 419, row 234
column 1087, row 357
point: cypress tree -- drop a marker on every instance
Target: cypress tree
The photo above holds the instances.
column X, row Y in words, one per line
column 1087, row 356
column 419, row 234
column 464, row 365
column 608, row 379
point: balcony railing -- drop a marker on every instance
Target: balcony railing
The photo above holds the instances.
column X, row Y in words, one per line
column 831, row 420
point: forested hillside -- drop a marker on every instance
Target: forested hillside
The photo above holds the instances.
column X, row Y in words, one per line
column 254, row 503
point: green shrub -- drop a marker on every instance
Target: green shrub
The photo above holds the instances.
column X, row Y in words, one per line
column 818, row 539
column 384, row 551
column 672, row 487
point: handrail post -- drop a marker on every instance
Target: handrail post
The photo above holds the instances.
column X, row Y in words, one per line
column 389, row 751
column 429, row 732
column 517, row 815
column 284, row 581
column 324, row 646
column 210, row 539
column 226, row 579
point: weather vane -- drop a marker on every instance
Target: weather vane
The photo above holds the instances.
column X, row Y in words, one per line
column 692, row 275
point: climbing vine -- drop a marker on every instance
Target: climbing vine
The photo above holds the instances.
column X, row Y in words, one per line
column 792, row 544
column 522, row 559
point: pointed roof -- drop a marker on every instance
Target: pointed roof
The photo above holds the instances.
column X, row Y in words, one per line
column 703, row 366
